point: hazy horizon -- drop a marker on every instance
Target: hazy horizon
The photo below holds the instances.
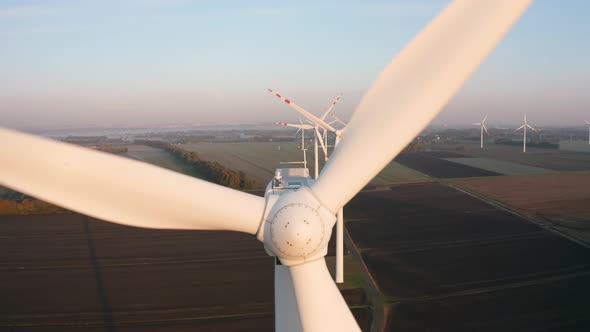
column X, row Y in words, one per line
column 76, row 64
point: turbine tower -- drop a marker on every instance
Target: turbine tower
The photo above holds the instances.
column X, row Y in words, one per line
column 588, row 123
column 523, row 127
column 482, row 128
column 293, row 224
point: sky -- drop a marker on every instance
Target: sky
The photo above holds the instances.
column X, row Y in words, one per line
column 68, row 64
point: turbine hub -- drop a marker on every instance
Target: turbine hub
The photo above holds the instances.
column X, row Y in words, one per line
column 296, row 227
column 297, row 231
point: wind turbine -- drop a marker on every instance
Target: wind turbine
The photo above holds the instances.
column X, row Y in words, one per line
column 320, row 123
column 482, row 128
column 301, row 127
column 312, row 119
column 524, row 127
column 294, row 225
column 588, row 123
column 317, row 122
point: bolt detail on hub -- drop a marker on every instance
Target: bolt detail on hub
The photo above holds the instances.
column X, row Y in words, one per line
column 297, row 231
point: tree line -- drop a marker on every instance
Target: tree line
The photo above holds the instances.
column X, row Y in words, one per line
column 112, row 149
column 209, row 170
column 28, row 206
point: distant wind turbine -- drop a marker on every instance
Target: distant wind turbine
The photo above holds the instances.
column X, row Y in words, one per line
column 482, row 128
column 322, row 139
column 316, row 124
column 524, row 126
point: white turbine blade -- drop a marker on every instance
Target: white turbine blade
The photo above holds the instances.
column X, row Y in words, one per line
column 121, row 190
column 294, row 125
column 484, row 119
column 519, row 128
column 531, row 127
column 321, row 140
column 323, row 117
column 320, row 303
column 476, row 124
column 485, row 129
column 303, row 112
column 286, row 311
column 587, row 122
column 411, row 92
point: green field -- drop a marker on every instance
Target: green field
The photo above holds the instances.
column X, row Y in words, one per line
column 500, row 166
column 158, row 157
column 259, row 160
column 353, row 274
column 396, row 173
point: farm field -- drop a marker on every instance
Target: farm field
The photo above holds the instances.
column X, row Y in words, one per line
column 499, row 166
column 259, row 160
column 157, row 157
column 576, row 146
column 444, row 260
column 67, row 272
column 396, row 172
column 563, row 199
column 447, row 261
column 551, row 159
column 434, row 164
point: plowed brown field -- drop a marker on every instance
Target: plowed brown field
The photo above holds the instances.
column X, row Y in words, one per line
column 563, row 199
